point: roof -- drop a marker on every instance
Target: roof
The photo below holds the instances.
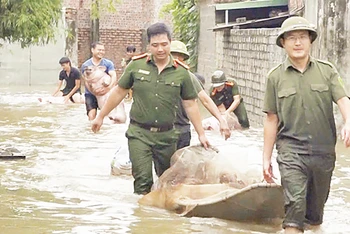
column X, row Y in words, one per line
column 259, row 23
column 250, row 4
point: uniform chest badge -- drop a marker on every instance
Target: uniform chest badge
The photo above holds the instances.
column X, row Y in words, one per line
column 143, row 72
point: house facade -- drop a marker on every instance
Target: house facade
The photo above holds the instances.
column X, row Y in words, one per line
column 245, row 48
column 38, row 65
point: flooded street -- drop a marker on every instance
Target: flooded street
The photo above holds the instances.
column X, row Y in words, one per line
column 64, row 185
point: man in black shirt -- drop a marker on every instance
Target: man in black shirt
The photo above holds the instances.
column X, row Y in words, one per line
column 72, row 77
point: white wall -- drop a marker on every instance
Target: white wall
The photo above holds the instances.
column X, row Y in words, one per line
column 31, row 66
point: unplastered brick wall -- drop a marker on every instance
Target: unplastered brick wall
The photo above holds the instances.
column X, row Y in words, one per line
column 247, row 55
column 117, row 30
column 83, row 45
column 72, row 3
column 116, row 41
column 131, row 14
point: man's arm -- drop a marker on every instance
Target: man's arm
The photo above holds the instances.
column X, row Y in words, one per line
column 235, row 103
column 82, row 72
column 115, row 97
column 72, row 92
column 270, row 132
column 59, row 84
column 113, row 75
column 213, row 109
column 344, row 107
column 192, row 111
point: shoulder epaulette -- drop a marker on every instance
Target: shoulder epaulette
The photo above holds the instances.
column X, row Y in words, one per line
column 176, row 61
column 273, row 69
column 139, row 56
column 325, row 62
column 230, row 83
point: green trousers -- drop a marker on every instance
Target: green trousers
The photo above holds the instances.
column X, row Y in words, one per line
column 146, row 147
column 306, row 183
column 242, row 116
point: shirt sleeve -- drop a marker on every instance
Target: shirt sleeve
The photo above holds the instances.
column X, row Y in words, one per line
column 270, row 105
column 61, row 75
column 188, row 90
column 82, row 69
column 337, row 86
column 197, row 86
column 235, row 90
column 76, row 74
column 126, row 81
column 110, row 66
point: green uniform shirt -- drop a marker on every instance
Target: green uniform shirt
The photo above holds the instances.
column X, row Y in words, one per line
column 303, row 104
column 225, row 96
column 156, row 95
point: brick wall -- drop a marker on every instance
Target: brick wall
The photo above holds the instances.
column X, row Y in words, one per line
column 118, row 29
column 83, row 45
column 247, row 56
column 116, row 41
column 131, row 14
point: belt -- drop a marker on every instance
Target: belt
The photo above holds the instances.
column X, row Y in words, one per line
column 151, row 128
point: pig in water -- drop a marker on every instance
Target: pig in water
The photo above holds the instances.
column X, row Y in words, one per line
column 59, row 100
column 96, row 81
column 212, row 123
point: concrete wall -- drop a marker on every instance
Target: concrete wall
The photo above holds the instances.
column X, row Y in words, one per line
column 332, row 19
column 31, row 66
column 207, row 62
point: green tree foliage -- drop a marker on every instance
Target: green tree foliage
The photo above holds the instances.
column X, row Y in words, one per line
column 186, row 23
column 29, row 21
column 100, row 6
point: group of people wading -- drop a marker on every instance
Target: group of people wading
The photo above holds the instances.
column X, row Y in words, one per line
column 298, row 104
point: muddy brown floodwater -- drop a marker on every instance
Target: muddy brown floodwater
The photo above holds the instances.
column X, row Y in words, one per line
column 65, row 186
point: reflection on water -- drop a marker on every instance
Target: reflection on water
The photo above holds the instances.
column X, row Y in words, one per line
column 64, row 185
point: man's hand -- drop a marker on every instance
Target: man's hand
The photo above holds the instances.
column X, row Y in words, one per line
column 66, row 100
column 224, row 129
column 345, row 134
column 96, row 124
column 101, row 91
column 267, row 171
column 204, row 141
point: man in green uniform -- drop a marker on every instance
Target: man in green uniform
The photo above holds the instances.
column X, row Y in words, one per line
column 179, row 51
column 158, row 82
column 226, row 96
column 299, row 108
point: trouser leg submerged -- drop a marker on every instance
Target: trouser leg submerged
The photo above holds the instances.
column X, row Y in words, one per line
column 146, row 147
